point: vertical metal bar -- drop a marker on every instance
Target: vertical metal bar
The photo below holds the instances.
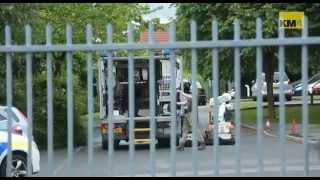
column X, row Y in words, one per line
column 215, row 108
column 194, row 73
column 131, row 102
column 9, row 97
column 110, row 102
column 90, row 100
column 70, row 101
column 49, row 101
column 305, row 111
column 152, row 102
column 102, row 112
column 259, row 97
column 173, row 101
column 282, row 123
column 237, row 93
column 29, row 98
column 181, row 83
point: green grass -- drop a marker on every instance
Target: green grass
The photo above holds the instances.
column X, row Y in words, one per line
column 300, row 97
column 248, row 103
column 249, row 116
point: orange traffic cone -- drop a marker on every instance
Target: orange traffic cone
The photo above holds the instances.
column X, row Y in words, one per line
column 294, row 129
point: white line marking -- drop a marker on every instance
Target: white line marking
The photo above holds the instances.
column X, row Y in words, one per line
column 290, row 169
column 59, row 168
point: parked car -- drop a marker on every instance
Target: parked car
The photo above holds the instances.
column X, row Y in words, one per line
column 294, row 84
column 311, row 83
column 288, row 89
column 19, row 155
column 316, row 88
column 19, row 120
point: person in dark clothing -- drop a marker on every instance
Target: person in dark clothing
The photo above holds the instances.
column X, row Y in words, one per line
column 187, row 125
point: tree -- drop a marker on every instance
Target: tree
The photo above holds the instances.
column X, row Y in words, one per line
column 247, row 14
column 58, row 15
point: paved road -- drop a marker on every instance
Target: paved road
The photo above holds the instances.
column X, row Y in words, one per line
column 271, row 151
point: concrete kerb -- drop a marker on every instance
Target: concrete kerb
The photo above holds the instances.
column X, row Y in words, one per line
column 289, row 137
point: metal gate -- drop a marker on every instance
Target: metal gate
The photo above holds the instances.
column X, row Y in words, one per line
column 259, row 42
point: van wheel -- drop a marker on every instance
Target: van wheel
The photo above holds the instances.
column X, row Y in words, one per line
column 289, row 98
column 104, row 145
column 165, row 142
column 115, row 144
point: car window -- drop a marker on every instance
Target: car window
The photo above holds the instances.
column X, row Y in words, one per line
column 15, row 118
column 20, row 115
column 140, row 74
column 2, row 118
column 314, row 78
column 276, row 77
column 3, row 114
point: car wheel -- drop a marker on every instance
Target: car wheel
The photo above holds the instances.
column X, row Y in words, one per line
column 19, row 166
column 3, row 168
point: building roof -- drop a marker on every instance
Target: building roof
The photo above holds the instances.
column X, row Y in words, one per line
column 158, row 36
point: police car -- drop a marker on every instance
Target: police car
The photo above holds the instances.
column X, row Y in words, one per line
column 19, row 155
